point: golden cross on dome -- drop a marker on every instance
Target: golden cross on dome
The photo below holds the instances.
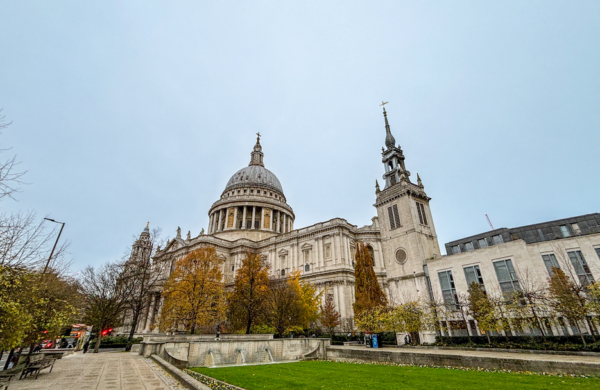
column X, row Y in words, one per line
column 258, row 136
column 383, row 104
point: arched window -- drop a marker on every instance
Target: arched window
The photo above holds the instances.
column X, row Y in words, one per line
column 306, row 268
column 371, row 253
column 282, row 272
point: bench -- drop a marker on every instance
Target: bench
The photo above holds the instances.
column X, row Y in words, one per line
column 35, row 365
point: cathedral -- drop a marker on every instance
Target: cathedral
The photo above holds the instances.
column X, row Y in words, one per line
column 252, row 215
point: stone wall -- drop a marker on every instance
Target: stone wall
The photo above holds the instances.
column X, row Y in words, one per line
column 415, row 358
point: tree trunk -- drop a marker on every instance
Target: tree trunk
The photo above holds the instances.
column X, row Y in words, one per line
column 10, row 355
column 248, row 324
column 488, row 337
column 580, row 334
column 466, row 324
column 97, row 346
column 539, row 323
column 591, row 328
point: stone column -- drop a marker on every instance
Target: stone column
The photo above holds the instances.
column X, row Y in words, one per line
column 253, row 217
column 272, row 218
column 219, row 221
column 210, row 221
column 235, row 217
column 244, row 218
column 318, row 252
column 262, row 218
column 149, row 315
column 335, row 247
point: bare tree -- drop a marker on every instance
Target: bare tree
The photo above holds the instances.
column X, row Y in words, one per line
column 10, row 177
column 531, row 298
column 25, row 241
column 104, row 297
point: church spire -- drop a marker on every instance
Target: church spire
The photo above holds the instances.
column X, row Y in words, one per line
column 257, row 154
column 390, row 142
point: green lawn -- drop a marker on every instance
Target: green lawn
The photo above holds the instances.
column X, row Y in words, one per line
column 332, row 375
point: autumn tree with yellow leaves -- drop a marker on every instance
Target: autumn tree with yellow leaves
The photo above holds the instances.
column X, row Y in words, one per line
column 247, row 301
column 194, row 293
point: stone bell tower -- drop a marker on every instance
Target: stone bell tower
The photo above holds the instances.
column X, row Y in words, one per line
column 408, row 234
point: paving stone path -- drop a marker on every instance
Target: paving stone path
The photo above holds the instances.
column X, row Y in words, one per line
column 101, row 371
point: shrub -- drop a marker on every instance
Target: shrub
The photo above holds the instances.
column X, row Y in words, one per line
column 552, row 343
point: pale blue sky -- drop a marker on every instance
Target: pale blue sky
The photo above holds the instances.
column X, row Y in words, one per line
column 127, row 112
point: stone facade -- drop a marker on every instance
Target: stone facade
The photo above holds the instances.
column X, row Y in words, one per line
column 252, row 215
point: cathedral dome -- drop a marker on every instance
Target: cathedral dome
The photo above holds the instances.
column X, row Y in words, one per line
column 254, row 175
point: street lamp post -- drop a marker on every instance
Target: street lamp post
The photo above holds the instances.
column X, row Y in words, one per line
column 54, row 247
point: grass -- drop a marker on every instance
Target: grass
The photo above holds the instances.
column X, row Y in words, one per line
column 331, row 375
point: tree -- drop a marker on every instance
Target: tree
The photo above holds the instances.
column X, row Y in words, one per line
column 329, row 317
column 104, row 298
column 373, row 320
column 407, row 317
column 292, row 302
column 194, row 293
column 25, row 241
column 247, row 301
column 140, row 275
column 10, row 178
column 568, row 298
column 482, row 309
column 15, row 320
column 283, row 306
column 368, row 294
column 593, row 304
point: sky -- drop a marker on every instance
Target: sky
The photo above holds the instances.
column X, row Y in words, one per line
column 128, row 112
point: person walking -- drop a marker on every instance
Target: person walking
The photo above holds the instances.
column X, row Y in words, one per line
column 86, row 346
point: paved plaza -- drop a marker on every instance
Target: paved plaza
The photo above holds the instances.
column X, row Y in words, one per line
column 108, row 370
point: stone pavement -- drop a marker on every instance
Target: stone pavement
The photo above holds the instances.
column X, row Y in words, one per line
column 101, row 371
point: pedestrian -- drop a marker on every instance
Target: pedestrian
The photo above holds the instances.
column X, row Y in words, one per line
column 218, row 331
column 86, row 346
column 406, row 339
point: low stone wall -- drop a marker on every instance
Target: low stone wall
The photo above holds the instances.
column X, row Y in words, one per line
column 194, row 351
column 425, row 359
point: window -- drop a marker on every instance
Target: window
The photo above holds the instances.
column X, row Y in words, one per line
column 282, row 272
column 598, row 252
column 394, row 216
column 483, row 243
column 456, row 249
column 564, row 230
column 581, row 268
column 497, row 239
column 306, row 268
column 576, row 228
column 421, row 211
column 473, row 274
column 469, row 247
column 393, row 179
column 541, row 235
column 506, row 276
column 550, row 262
column 448, row 289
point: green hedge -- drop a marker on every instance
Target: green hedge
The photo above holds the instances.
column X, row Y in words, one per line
column 551, row 343
column 116, row 342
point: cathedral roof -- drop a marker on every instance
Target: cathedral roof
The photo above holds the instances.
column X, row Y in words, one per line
column 255, row 173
